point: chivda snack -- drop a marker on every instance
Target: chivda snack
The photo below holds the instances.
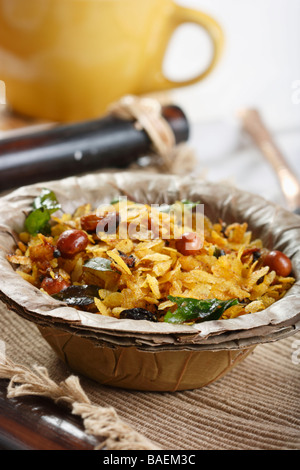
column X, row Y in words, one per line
column 166, row 263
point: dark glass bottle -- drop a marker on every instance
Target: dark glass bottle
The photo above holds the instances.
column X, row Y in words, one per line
column 77, row 148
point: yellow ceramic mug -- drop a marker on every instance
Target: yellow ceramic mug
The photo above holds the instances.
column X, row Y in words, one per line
column 68, row 60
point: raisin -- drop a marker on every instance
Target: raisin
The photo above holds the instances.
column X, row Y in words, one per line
column 218, row 252
column 56, row 253
column 256, row 255
column 128, row 259
column 138, row 314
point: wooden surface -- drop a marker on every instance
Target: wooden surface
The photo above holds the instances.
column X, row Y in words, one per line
column 36, row 423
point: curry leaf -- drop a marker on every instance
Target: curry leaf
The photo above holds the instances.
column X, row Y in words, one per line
column 43, row 206
column 81, row 296
column 99, row 264
column 190, row 203
column 37, row 220
column 189, row 310
column 46, row 200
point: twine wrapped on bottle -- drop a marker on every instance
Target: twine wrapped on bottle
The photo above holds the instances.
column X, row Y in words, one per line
column 147, row 114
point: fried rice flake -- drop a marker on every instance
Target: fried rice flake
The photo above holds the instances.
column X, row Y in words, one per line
column 146, row 267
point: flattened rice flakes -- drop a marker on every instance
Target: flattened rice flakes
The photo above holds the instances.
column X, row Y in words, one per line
column 144, row 268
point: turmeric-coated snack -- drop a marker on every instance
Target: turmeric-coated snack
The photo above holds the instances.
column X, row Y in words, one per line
column 167, row 263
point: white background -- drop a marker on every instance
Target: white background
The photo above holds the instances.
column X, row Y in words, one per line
column 260, row 67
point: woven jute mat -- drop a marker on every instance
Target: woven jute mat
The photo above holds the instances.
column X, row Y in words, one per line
column 254, row 407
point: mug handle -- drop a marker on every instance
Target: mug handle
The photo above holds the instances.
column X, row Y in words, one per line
column 156, row 79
